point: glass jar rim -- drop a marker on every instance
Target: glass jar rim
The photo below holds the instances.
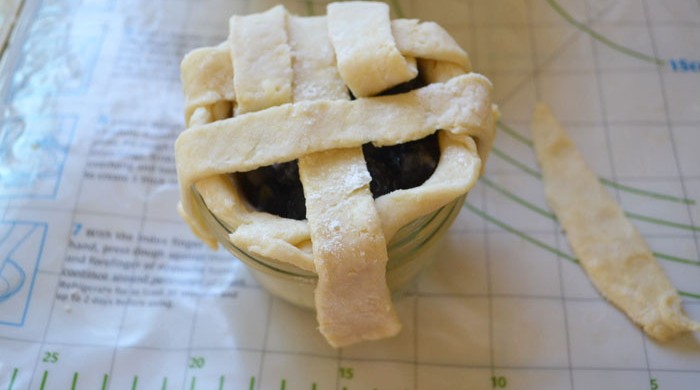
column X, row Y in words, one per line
column 409, row 239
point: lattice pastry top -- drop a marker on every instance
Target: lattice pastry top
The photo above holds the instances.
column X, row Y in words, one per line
column 280, row 90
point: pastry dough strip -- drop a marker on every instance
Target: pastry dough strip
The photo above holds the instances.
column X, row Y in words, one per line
column 353, row 302
column 357, row 59
column 609, row 247
column 352, row 299
column 428, row 40
column 207, row 73
column 262, row 77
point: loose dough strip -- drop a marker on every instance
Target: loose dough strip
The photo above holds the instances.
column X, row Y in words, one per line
column 609, row 247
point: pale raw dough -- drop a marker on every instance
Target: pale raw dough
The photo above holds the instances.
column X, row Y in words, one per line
column 460, row 106
column 357, row 57
column 263, row 76
column 352, row 299
column 609, row 247
column 288, row 94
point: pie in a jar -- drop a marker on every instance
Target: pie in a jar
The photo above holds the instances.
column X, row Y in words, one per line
column 317, row 138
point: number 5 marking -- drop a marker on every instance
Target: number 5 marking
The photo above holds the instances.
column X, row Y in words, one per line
column 654, row 384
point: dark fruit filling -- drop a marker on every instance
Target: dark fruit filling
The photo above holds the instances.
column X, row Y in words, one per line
column 402, row 166
column 276, row 189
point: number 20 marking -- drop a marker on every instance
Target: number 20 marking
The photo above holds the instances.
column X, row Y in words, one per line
column 50, row 357
column 197, row 362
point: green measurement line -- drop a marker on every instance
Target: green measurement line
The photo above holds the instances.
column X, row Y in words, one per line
column 105, row 378
column 14, row 377
column 397, row 8
column 135, row 383
column 43, row 380
column 546, row 247
column 526, row 141
column 520, row 234
column 504, row 156
column 221, row 382
column 600, row 38
column 518, row 199
column 676, row 259
column 549, row 215
column 664, row 222
column 514, row 134
column 309, row 8
column 252, row 383
column 75, row 381
column 165, row 383
column 193, row 383
column 649, row 194
column 688, row 295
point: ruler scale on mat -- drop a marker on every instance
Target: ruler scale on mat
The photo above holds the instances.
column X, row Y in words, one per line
column 103, row 287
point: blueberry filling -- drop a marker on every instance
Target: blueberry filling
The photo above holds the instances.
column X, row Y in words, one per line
column 276, row 189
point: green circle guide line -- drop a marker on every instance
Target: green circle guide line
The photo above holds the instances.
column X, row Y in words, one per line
column 637, row 191
column 14, row 377
column 549, row 215
column 397, row 8
column 602, row 39
column 530, row 206
column 309, row 8
column 543, row 245
column 520, row 234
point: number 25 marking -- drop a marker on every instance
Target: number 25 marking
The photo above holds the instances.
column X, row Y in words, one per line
column 50, row 357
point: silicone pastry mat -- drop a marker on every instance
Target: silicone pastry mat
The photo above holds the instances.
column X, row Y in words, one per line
column 104, row 287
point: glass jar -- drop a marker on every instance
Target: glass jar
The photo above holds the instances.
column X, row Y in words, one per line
column 410, row 251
